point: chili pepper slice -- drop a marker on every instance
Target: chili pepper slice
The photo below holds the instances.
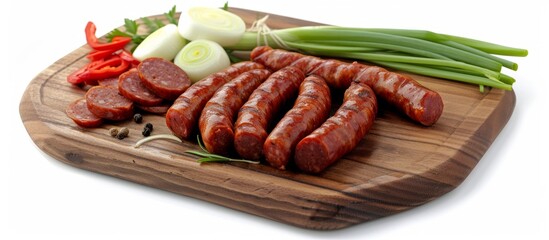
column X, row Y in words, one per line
column 89, row 74
column 109, row 68
column 96, row 55
column 117, row 43
column 129, row 58
column 79, row 76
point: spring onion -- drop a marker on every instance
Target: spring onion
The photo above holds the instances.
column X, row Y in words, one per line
column 201, row 58
column 417, row 51
column 213, row 24
column 164, row 43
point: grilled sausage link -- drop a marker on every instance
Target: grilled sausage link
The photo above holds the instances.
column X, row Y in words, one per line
column 183, row 115
column 340, row 133
column 255, row 115
column 311, row 108
column 407, row 95
column 217, row 118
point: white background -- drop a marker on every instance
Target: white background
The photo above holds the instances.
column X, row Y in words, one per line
column 505, row 195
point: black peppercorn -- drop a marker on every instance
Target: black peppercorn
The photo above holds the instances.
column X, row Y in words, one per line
column 147, row 129
column 146, row 132
column 138, row 118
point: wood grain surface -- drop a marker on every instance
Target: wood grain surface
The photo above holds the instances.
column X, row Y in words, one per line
column 398, row 165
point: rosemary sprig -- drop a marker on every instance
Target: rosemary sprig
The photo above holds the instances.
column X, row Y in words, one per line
column 210, row 157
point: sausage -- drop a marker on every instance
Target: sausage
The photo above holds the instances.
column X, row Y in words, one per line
column 79, row 113
column 131, row 87
column 339, row 74
column 254, row 116
column 310, row 110
column 183, row 115
column 407, row 95
column 274, row 60
column 158, row 109
column 111, row 81
column 163, row 78
column 307, row 63
column 105, row 102
column 416, row 101
column 217, row 118
column 340, row 133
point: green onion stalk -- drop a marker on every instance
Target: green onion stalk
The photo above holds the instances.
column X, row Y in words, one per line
column 415, row 51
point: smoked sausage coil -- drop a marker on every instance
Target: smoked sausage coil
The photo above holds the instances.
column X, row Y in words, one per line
column 182, row 116
column 310, row 110
column 217, row 118
column 407, row 95
column 340, row 133
column 256, row 114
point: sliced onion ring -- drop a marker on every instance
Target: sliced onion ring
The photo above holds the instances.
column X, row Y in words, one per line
column 201, row 58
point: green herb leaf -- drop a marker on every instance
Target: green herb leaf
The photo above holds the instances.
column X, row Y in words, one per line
column 171, row 16
column 226, row 6
column 117, row 33
column 131, row 26
column 149, row 24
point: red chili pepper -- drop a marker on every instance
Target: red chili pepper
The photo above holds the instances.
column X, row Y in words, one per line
column 117, row 43
column 109, row 68
column 129, row 58
column 79, row 76
column 96, row 55
column 89, row 74
column 105, row 62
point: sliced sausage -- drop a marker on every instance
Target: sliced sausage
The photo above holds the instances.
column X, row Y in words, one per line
column 340, row 133
column 255, row 115
column 131, row 87
column 112, row 81
column 158, row 109
column 163, row 78
column 310, row 110
column 105, row 102
column 79, row 113
column 182, row 117
column 217, row 118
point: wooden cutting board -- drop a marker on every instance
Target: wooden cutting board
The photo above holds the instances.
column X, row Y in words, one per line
column 399, row 164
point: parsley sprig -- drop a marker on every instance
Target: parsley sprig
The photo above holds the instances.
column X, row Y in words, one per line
column 131, row 27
